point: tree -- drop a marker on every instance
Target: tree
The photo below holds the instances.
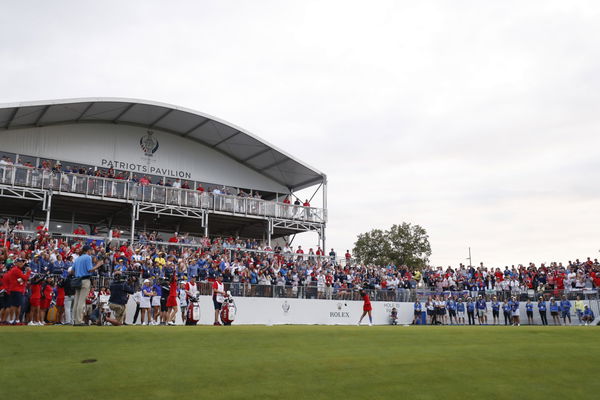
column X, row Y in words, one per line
column 403, row 244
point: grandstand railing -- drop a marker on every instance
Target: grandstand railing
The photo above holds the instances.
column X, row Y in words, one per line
column 130, row 191
column 313, row 291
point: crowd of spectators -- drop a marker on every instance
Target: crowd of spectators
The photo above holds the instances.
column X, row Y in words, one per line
column 252, row 268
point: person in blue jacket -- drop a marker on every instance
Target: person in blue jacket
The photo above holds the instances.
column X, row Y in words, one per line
column 565, row 307
column 588, row 315
column 460, row 311
column 554, row 309
column 529, row 310
column 481, row 310
column 417, row 313
column 471, row 311
column 515, row 311
column 542, row 310
column 495, row 310
column 451, row 305
column 506, row 310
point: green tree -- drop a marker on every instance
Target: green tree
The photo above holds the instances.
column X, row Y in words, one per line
column 403, row 244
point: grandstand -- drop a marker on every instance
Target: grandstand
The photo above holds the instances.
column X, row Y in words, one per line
column 143, row 165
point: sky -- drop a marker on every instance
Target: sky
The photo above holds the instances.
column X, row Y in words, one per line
column 479, row 121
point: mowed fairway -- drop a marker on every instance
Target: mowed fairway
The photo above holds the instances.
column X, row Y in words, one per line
column 297, row 362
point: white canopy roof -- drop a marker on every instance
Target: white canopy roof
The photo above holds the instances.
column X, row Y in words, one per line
column 233, row 141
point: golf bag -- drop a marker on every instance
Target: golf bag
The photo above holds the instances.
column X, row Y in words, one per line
column 228, row 309
column 193, row 310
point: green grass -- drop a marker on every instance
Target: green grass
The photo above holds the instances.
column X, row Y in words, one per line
column 295, row 362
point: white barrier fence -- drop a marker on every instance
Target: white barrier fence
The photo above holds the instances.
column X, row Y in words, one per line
column 280, row 311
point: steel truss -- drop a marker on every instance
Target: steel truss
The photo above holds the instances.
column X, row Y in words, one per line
column 23, row 193
column 296, row 225
column 150, row 208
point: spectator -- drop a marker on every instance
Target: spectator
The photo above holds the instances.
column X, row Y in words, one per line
column 83, row 270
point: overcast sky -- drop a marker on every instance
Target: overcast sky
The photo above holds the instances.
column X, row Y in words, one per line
column 478, row 120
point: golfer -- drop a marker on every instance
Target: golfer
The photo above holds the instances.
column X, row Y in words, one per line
column 366, row 307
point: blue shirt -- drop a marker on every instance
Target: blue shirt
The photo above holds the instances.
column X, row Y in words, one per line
column 460, row 306
column 83, row 266
column 417, row 306
column 451, row 305
column 529, row 307
column 481, row 304
column 495, row 306
column 470, row 306
column 506, row 308
column 542, row 305
column 193, row 270
column 554, row 307
column 565, row 305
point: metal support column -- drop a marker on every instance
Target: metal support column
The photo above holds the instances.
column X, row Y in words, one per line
column 48, row 207
column 324, row 215
column 134, row 217
column 205, row 224
column 269, row 231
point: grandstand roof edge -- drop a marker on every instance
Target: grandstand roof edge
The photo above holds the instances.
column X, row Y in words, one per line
column 305, row 180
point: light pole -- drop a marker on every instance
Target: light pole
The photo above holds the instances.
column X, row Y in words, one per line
column 470, row 261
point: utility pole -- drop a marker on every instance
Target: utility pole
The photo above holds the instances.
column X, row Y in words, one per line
column 470, row 261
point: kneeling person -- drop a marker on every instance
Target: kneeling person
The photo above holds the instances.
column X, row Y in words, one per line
column 119, row 294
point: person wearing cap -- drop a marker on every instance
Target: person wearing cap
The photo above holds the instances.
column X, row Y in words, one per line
column 69, row 296
column 588, row 315
column 145, row 302
column 17, row 282
column 506, row 311
column 119, row 294
column 565, row 306
column 84, row 268
column 554, row 309
column 542, row 310
column 218, row 295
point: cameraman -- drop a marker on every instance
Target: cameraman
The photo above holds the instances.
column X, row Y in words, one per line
column 119, row 294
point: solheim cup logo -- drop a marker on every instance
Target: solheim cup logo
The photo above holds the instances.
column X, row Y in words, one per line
column 149, row 144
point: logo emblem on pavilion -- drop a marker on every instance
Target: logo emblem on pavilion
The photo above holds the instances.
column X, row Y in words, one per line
column 285, row 307
column 149, row 144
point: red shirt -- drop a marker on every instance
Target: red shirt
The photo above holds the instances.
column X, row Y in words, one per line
column 306, row 204
column 173, row 239
column 48, row 292
column 286, row 201
column 79, row 231
column 14, row 284
column 173, row 287
column 367, row 300
column 36, row 291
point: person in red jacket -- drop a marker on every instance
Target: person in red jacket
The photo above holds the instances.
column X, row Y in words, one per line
column 47, row 293
column 4, row 296
column 367, row 308
column 172, row 300
column 60, row 301
column 17, row 285
column 35, row 300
